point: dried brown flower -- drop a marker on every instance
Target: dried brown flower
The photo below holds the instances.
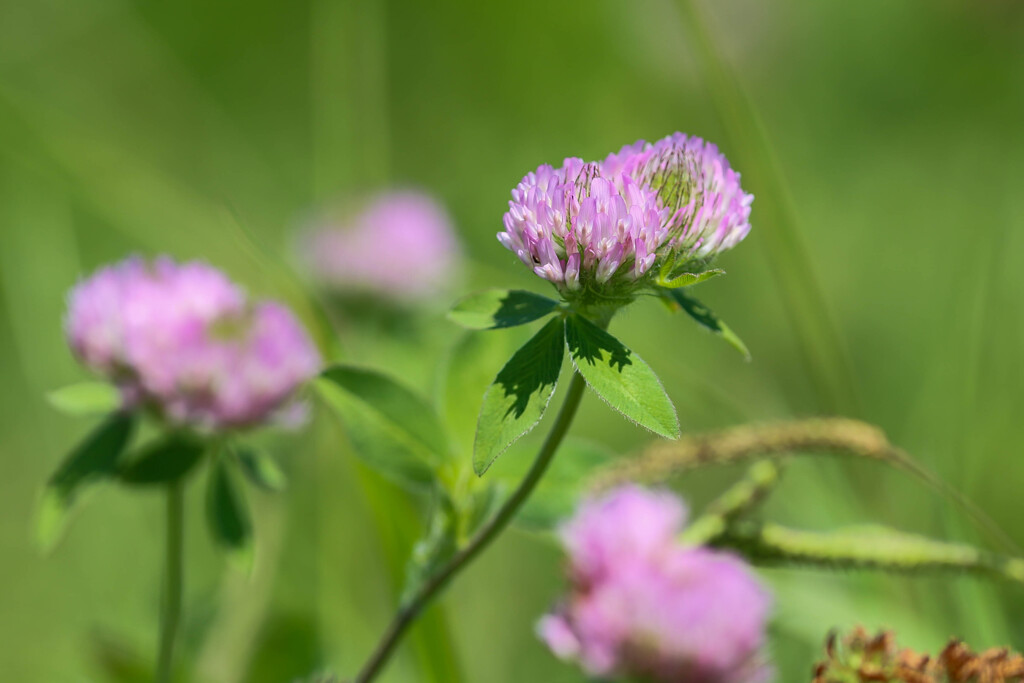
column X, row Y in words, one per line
column 862, row 658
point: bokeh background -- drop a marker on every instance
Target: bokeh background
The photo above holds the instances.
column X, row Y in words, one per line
column 882, row 280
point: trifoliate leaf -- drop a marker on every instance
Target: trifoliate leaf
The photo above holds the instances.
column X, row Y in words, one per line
column 94, row 459
column 620, row 377
column 519, row 395
column 163, row 461
column 496, row 308
column 227, row 512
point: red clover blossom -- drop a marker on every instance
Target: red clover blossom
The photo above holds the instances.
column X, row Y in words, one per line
column 603, row 231
column 643, row 605
column 184, row 341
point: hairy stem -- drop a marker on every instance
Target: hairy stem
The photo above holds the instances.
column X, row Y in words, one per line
column 736, row 501
column 411, row 609
column 833, row 436
column 662, row 460
column 170, row 613
column 866, row 547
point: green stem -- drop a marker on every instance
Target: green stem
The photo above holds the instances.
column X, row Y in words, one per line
column 869, row 547
column 736, row 501
column 171, row 608
column 409, row 611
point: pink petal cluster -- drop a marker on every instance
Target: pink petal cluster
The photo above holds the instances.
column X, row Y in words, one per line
column 606, row 224
column 184, row 340
column 401, row 247
column 578, row 220
column 644, row 605
column 710, row 211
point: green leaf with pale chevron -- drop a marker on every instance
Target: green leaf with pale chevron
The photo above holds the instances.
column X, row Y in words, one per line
column 689, row 279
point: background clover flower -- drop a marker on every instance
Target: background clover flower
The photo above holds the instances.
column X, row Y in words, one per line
column 185, row 341
column 632, row 522
column 602, row 230
column 400, row 246
column 643, row 605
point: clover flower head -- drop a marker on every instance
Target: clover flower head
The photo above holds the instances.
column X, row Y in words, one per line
column 604, row 230
column 401, row 247
column 628, row 522
column 710, row 212
column 643, row 605
column 186, row 342
column 580, row 227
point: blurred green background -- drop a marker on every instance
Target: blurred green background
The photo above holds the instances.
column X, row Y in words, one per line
column 882, row 280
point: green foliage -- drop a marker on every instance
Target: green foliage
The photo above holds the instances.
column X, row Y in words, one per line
column 226, row 511
column 85, row 398
column 393, row 429
column 620, row 377
column 496, row 308
column 868, row 547
column 565, row 484
column 706, row 318
column 94, row 459
column 519, row 395
column 469, row 371
column 689, row 279
column 435, row 548
column 478, row 505
column 261, row 469
column 164, row 460
column 288, row 646
column 263, row 135
column 395, row 403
